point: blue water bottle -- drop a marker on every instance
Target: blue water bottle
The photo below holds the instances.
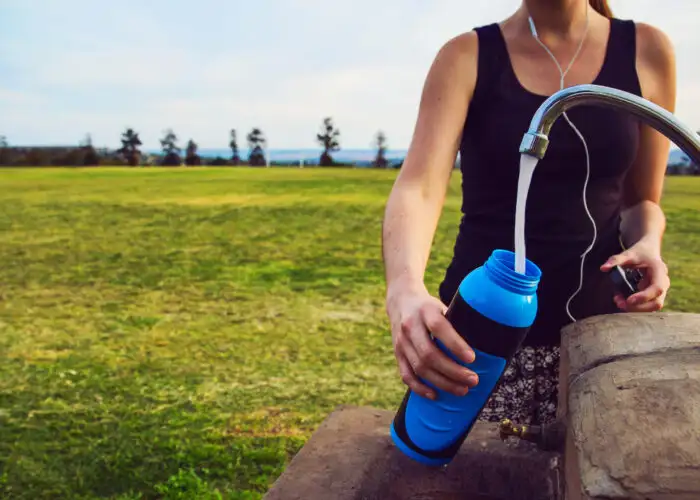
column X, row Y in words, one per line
column 492, row 310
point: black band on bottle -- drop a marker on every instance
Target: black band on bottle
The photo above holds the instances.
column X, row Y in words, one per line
column 482, row 333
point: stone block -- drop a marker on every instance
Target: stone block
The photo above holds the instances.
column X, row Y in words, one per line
column 633, row 407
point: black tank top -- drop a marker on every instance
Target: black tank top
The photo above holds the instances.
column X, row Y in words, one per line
column 557, row 228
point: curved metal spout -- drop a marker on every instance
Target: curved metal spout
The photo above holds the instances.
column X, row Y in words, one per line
column 536, row 139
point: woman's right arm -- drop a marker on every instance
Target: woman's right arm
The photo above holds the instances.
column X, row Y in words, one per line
column 410, row 221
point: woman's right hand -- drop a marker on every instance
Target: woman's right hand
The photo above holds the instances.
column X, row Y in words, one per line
column 413, row 315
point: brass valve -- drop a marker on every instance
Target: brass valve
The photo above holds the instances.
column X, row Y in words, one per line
column 548, row 437
column 525, row 432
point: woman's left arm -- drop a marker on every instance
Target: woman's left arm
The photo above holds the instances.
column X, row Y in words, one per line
column 643, row 221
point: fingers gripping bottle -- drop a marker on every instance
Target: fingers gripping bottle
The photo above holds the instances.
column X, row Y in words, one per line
column 492, row 310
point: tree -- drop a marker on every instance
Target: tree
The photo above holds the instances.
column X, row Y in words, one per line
column 171, row 150
column 130, row 147
column 329, row 139
column 256, row 143
column 90, row 156
column 191, row 156
column 4, row 151
column 217, row 162
column 380, row 143
column 233, row 144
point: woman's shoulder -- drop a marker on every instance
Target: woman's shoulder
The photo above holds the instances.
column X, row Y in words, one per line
column 656, row 61
column 461, row 48
column 654, row 46
column 460, row 54
column 457, row 60
column 467, row 43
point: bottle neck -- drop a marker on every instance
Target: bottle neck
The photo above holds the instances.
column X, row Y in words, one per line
column 500, row 268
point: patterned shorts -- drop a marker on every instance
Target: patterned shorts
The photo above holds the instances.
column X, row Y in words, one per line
column 527, row 393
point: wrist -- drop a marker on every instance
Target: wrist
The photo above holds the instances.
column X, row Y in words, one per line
column 402, row 287
column 643, row 224
column 652, row 242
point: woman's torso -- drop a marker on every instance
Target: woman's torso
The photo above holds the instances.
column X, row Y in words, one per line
column 558, row 229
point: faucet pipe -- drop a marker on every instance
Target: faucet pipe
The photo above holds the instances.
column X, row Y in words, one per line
column 536, row 139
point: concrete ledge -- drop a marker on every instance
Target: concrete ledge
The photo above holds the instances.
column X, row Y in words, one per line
column 352, row 457
column 602, row 339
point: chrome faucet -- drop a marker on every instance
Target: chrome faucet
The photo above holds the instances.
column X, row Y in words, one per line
column 536, row 139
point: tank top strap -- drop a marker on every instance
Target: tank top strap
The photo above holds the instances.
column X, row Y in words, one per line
column 620, row 66
column 492, row 59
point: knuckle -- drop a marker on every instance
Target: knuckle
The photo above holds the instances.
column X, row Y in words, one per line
column 427, row 355
column 419, row 367
column 423, row 365
column 433, row 323
column 405, row 372
column 425, row 309
column 407, row 324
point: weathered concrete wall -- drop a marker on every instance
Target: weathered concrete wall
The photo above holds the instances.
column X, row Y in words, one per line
column 633, row 407
column 351, row 457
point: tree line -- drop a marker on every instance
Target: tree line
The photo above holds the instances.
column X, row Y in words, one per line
column 130, row 153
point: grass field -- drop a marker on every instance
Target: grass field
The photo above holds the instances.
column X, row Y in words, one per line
column 179, row 333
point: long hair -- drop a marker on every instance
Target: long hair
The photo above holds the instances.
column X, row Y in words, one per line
column 602, row 7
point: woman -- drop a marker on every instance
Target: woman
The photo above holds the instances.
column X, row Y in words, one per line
column 479, row 96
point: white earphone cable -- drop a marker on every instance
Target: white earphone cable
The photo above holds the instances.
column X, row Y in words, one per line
column 585, row 147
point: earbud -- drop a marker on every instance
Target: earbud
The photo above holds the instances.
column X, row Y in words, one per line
column 533, row 30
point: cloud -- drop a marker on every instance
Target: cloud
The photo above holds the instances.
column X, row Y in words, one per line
column 281, row 65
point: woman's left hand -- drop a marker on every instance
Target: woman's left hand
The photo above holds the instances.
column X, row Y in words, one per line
column 655, row 284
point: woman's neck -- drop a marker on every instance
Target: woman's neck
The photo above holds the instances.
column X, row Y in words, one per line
column 559, row 18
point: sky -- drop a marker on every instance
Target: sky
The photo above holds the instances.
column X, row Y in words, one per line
column 72, row 67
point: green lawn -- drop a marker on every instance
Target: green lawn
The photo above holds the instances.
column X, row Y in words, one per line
column 179, row 333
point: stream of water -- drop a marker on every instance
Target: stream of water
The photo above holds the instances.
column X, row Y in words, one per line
column 527, row 168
